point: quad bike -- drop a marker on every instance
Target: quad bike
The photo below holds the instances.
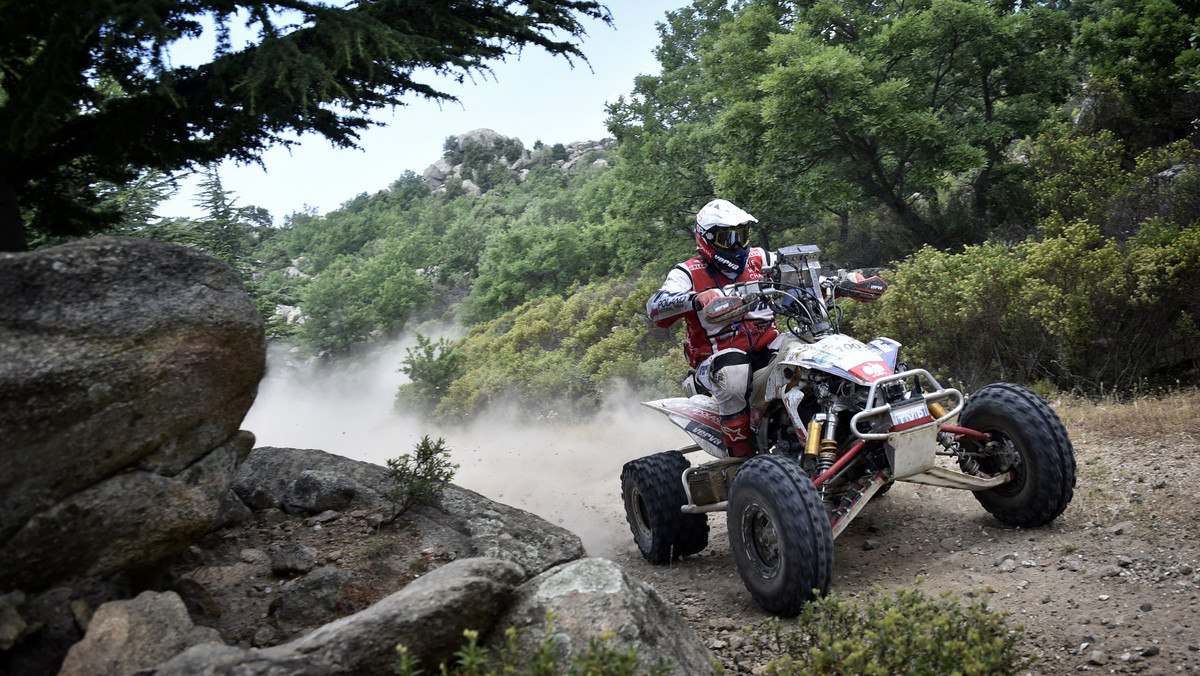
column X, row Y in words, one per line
column 836, row 422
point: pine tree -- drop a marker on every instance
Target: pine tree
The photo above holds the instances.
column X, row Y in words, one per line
column 88, row 93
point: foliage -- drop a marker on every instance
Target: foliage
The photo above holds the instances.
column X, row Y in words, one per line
column 90, row 92
column 599, row 657
column 905, row 632
column 887, row 105
column 431, row 368
column 1144, row 65
column 354, row 299
column 561, row 354
column 1085, row 313
column 865, row 128
column 1082, row 177
column 420, row 477
column 664, row 127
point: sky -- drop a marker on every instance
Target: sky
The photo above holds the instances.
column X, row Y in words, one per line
column 532, row 97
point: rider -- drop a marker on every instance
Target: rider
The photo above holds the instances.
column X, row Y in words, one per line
column 724, row 354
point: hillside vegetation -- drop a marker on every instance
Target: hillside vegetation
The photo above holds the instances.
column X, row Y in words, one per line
column 1027, row 175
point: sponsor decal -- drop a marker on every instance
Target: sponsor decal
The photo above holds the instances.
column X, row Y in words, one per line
column 871, row 371
column 705, row 432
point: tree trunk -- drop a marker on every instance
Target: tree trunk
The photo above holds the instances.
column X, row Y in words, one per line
column 12, row 226
column 913, row 221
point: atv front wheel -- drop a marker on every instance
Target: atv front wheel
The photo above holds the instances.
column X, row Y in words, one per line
column 779, row 533
column 652, row 488
column 1028, row 441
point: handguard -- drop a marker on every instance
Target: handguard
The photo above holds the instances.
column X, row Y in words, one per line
column 726, row 309
column 861, row 289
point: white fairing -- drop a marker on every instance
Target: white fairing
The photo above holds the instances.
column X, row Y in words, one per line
column 842, row 356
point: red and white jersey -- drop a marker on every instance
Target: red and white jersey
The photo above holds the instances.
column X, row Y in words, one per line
column 673, row 300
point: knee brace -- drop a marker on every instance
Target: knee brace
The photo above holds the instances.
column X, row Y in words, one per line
column 731, row 382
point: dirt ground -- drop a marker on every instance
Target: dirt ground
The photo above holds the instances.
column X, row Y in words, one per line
column 1112, row 586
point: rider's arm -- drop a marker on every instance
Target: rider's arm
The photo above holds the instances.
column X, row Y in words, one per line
column 673, row 300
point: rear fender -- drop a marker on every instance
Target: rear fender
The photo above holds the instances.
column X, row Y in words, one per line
column 698, row 416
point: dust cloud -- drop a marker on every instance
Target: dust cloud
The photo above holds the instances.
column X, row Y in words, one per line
column 567, row 473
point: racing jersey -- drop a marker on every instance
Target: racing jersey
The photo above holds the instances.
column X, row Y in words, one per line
column 754, row 331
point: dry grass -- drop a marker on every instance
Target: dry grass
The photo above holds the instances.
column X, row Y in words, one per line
column 1152, row 418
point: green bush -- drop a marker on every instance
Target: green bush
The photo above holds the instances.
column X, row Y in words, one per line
column 562, row 353
column 420, row 477
column 431, row 367
column 1079, row 312
column 905, row 632
column 600, row 658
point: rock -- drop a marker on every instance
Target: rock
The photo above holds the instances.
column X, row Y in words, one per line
column 463, row 521
column 132, row 519
column 292, row 559
column 500, row 531
column 1121, row 528
column 439, row 174
column 309, row 600
column 13, row 627
column 232, row 512
column 1097, row 658
column 264, row 478
column 428, row 617
column 591, row 598
column 126, row 366
column 55, row 619
column 1004, row 557
column 316, row 491
column 126, row 636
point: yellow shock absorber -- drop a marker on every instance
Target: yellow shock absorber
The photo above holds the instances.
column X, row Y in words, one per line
column 813, row 443
column 936, row 409
column 828, row 455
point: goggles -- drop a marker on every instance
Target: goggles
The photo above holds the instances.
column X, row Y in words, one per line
column 730, row 238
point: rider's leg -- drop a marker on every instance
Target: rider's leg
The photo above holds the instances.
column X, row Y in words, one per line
column 731, row 382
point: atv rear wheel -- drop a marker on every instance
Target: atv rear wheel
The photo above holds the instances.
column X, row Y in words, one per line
column 1028, row 440
column 652, row 488
column 779, row 533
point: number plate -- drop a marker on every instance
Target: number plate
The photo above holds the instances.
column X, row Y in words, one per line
column 909, row 414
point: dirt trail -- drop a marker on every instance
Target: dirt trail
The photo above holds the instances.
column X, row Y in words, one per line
column 1112, row 586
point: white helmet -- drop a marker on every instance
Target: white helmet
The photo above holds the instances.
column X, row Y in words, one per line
column 722, row 235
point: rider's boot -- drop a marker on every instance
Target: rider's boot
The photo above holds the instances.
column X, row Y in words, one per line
column 736, row 430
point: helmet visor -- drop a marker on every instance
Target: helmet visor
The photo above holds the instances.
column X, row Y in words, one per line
column 730, row 239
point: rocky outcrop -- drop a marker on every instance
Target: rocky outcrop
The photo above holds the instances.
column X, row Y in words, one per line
column 126, row 367
column 593, row 600
column 126, row 636
column 456, row 167
column 428, row 616
column 460, row 521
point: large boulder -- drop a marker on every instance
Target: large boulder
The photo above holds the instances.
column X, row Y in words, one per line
column 126, row 367
column 594, row 600
column 126, row 636
column 428, row 617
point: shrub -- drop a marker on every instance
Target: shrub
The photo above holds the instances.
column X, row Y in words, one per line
column 599, row 658
column 430, row 367
column 905, row 632
column 419, row 477
column 1078, row 312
